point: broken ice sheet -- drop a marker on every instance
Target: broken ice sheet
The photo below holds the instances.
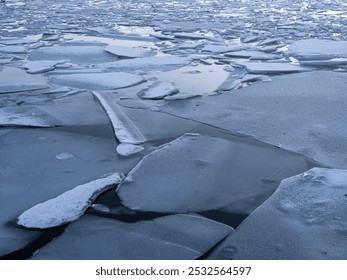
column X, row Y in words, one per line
column 170, row 237
column 304, row 219
column 125, row 130
column 253, row 55
column 68, row 206
column 98, row 81
column 16, row 80
column 158, row 90
column 128, row 51
column 316, row 49
column 196, row 173
column 95, row 155
column 34, row 67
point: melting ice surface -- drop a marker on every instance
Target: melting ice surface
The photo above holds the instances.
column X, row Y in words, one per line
column 304, row 219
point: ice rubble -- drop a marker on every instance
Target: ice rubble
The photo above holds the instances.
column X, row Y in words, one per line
column 98, row 81
column 302, row 112
column 16, row 80
column 170, row 237
column 158, row 90
column 125, row 130
column 304, row 219
column 128, row 51
column 68, row 206
column 196, row 173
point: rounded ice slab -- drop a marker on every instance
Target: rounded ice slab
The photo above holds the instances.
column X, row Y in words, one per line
column 304, row 219
column 68, row 206
column 170, row 237
column 196, row 173
column 98, row 81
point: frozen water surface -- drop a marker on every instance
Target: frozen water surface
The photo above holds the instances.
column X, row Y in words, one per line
column 54, row 54
column 304, row 219
column 171, row 237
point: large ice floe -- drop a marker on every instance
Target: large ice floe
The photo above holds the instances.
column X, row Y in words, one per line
column 68, row 206
column 170, row 237
column 196, row 173
column 304, row 219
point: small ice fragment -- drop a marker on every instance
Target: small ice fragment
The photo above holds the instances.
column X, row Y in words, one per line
column 273, row 68
column 68, row 206
column 181, row 96
column 128, row 149
column 158, row 90
column 65, row 156
column 100, row 207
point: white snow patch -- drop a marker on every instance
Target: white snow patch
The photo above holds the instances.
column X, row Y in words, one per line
column 68, row 206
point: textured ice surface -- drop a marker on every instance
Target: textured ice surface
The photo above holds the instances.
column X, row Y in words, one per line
column 300, row 112
column 127, row 51
column 316, row 49
column 68, row 206
column 171, row 237
column 23, row 187
column 98, row 81
column 128, row 149
column 16, row 80
column 197, row 173
column 126, row 131
column 304, row 219
column 158, row 90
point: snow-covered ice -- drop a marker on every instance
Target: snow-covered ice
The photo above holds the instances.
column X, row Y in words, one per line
column 125, row 130
column 304, row 219
column 165, row 238
column 68, row 206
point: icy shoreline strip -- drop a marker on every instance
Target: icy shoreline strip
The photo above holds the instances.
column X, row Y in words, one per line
column 125, row 130
column 68, row 206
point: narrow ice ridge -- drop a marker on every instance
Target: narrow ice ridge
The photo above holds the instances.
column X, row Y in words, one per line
column 125, row 130
column 68, row 206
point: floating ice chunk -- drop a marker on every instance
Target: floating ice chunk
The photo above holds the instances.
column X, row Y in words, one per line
column 180, row 177
column 17, row 80
column 68, row 206
column 134, row 104
column 221, row 48
column 254, row 55
column 190, row 45
column 192, row 36
column 273, row 68
column 64, row 156
column 304, row 219
column 98, row 81
column 253, row 78
column 83, row 53
column 326, row 63
column 233, row 81
column 181, row 96
column 250, row 39
column 315, row 49
column 270, row 41
column 34, row 67
column 128, row 149
column 13, row 49
column 158, row 90
column 125, row 130
column 170, row 237
column 128, row 52
column 148, row 63
column 163, row 36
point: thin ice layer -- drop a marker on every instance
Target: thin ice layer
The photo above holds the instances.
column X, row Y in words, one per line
column 304, row 219
column 170, row 237
column 68, row 206
column 196, row 173
column 125, row 130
